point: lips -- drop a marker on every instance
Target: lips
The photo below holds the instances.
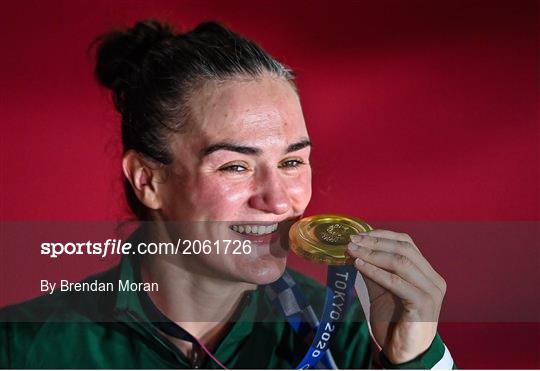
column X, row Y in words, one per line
column 258, row 233
column 255, row 229
column 263, row 232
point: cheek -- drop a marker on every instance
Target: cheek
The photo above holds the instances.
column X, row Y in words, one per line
column 299, row 190
column 219, row 199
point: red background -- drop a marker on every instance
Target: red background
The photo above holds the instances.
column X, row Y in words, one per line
column 418, row 110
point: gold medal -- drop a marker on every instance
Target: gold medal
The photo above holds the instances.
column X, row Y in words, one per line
column 324, row 238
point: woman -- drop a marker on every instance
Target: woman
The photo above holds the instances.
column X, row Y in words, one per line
column 216, row 148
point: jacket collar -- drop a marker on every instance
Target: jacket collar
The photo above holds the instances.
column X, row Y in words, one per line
column 129, row 310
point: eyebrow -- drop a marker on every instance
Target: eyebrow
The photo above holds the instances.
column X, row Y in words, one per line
column 251, row 150
column 298, row 145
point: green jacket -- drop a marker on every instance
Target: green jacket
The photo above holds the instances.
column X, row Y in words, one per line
column 104, row 330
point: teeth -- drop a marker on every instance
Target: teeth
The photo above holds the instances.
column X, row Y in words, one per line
column 255, row 229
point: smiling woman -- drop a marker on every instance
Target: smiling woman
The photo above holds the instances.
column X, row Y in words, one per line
column 215, row 148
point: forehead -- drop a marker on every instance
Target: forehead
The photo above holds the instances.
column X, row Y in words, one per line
column 247, row 109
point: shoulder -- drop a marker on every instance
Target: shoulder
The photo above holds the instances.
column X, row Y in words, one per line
column 43, row 324
column 63, row 305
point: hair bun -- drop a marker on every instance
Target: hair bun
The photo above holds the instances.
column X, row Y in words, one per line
column 121, row 55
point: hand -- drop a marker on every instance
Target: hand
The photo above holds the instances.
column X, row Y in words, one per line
column 404, row 290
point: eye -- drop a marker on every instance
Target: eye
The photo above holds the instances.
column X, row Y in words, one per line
column 233, row 168
column 293, row 163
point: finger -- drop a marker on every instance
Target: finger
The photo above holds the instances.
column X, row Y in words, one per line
column 391, row 235
column 397, row 264
column 400, row 247
column 392, row 282
column 374, row 289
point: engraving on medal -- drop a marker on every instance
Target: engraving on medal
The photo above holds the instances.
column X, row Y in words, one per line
column 324, row 238
column 333, row 233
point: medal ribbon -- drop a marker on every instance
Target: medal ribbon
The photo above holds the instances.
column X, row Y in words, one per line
column 289, row 300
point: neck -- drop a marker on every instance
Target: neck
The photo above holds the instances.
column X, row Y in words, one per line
column 201, row 306
column 196, row 302
column 201, row 303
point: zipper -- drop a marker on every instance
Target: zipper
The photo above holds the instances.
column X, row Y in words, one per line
column 196, row 359
column 141, row 325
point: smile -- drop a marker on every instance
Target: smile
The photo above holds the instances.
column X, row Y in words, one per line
column 254, row 229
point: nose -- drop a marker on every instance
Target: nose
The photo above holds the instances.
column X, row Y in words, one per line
column 270, row 194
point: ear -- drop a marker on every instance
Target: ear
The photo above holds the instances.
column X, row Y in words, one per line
column 143, row 179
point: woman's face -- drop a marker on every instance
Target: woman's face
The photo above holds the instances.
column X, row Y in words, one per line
column 241, row 168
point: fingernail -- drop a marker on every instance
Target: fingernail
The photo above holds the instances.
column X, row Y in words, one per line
column 357, row 238
column 359, row 261
column 353, row 247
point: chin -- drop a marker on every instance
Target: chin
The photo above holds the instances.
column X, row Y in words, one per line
column 264, row 270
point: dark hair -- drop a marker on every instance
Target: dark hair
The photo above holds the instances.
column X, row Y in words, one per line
column 152, row 71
